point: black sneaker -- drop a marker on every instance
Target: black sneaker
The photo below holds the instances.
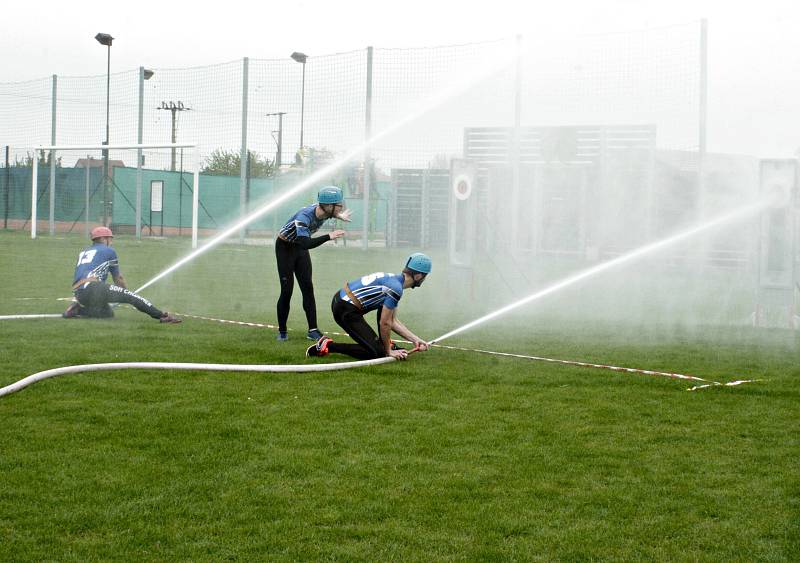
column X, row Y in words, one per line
column 169, row 319
column 319, row 349
column 314, row 334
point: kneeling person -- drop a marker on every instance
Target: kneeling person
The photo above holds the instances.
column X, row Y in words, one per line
column 374, row 292
column 92, row 295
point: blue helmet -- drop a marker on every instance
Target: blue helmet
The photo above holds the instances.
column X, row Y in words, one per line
column 419, row 262
column 330, row 194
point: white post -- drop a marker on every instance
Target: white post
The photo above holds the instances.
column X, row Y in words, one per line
column 35, row 169
column 195, row 195
column 34, row 185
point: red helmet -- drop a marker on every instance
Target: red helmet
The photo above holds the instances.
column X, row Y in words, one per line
column 98, row 232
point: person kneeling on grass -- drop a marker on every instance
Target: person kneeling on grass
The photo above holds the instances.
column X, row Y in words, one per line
column 92, row 295
column 381, row 292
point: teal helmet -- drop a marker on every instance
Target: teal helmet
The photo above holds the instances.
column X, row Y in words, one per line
column 419, row 262
column 330, row 195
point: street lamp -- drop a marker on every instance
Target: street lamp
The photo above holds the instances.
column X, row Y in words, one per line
column 106, row 39
column 301, row 58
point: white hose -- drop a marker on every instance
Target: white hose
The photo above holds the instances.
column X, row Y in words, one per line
column 11, row 317
column 36, row 377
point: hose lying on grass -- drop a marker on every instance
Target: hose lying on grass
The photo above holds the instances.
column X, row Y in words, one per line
column 36, row 377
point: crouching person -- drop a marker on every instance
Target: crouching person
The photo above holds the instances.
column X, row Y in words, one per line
column 374, row 292
column 92, row 295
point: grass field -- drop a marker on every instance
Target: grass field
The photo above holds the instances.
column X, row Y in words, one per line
column 449, row 456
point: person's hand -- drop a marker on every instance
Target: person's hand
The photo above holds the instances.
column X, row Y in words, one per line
column 420, row 346
column 344, row 215
column 338, row 233
column 398, row 354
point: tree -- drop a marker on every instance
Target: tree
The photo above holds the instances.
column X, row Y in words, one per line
column 45, row 158
column 312, row 158
column 222, row 162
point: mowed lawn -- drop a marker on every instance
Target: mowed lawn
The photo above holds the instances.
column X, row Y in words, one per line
column 452, row 455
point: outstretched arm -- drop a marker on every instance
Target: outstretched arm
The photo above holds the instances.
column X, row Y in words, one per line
column 405, row 332
column 308, row 243
column 386, row 324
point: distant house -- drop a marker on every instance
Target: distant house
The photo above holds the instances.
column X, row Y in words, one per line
column 97, row 163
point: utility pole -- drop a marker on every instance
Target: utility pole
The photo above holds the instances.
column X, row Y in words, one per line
column 278, row 160
column 174, row 108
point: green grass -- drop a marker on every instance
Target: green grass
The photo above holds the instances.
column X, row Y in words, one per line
column 448, row 456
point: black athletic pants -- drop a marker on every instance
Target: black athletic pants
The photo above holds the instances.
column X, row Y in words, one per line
column 294, row 261
column 95, row 297
column 351, row 319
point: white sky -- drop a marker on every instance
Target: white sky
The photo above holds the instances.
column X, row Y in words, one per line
column 754, row 47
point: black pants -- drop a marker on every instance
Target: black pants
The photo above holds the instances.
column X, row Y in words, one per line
column 95, row 297
column 368, row 344
column 294, row 261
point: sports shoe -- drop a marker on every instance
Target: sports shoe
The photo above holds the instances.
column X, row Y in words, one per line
column 72, row 311
column 319, row 349
column 282, row 336
column 169, row 319
column 314, row 334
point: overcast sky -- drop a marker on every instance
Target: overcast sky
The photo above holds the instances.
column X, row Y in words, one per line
column 754, row 47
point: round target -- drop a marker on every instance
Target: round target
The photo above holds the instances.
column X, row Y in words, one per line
column 462, row 187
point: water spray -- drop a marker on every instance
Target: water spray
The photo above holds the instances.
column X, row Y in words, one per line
column 620, row 260
column 476, row 74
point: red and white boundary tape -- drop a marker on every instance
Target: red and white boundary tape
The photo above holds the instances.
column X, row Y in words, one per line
column 706, row 382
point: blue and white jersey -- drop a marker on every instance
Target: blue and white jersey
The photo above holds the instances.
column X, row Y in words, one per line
column 375, row 290
column 96, row 261
column 302, row 224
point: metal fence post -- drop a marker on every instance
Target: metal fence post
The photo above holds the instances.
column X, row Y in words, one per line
column 702, row 115
column 139, row 137
column 367, row 154
column 8, row 188
column 53, row 159
column 88, row 177
column 515, row 149
column 243, row 153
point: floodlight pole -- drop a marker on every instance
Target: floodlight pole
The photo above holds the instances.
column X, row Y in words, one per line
column 301, row 58
column 107, row 40
column 144, row 74
column 107, row 213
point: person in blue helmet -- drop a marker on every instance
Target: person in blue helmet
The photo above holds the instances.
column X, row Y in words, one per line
column 379, row 292
column 92, row 295
column 294, row 260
